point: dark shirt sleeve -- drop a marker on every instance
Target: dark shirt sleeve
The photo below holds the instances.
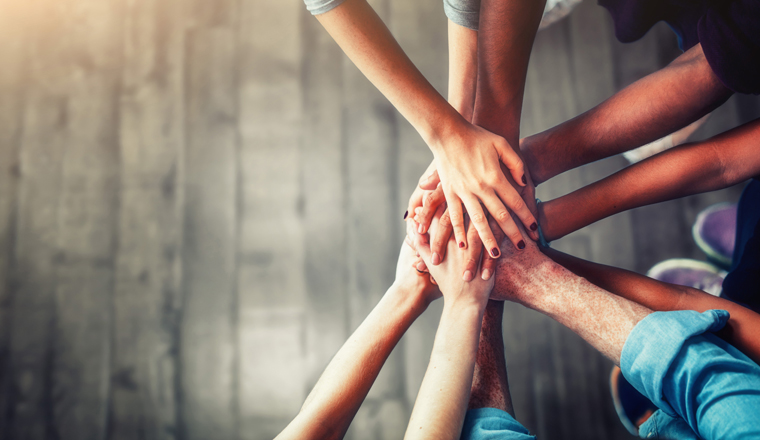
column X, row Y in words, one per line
column 730, row 36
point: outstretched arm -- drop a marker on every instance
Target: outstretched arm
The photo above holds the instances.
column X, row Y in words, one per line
column 719, row 162
column 741, row 330
column 340, row 391
column 648, row 109
column 467, row 157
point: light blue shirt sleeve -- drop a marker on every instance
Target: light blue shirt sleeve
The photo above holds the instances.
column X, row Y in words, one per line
column 317, row 7
column 688, row 372
column 493, row 424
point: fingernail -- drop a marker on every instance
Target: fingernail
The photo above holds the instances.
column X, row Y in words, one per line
column 461, row 244
column 421, row 266
column 521, row 245
column 468, row 275
column 534, row 226
column 406, row 214
column 525, row 181
column 486, row 274
column 436, row 259
column 421, row 229
column 495, row 252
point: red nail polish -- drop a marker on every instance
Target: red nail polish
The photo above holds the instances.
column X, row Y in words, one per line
column 461, row 244
column 534, row 226
column 406, row 214
column 521, row 245
column 495, row 252
column 525, row 181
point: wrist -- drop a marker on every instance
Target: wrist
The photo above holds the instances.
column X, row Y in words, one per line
column 466, row 304
column 549, row 281
column 412, row 299
column 442, row 126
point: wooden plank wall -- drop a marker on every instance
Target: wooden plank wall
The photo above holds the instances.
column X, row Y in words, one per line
column 199, row 201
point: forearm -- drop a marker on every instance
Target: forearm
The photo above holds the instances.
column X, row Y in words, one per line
column 442, row 400
column 463, row 68
column 716, row 163
column 340, row 391
column 648, row 109
column 740, row 331
column 505, row 39
column 366, row 40
column 602, row 319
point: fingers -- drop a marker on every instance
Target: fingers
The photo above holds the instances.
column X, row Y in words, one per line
column 456, row 216
column 430, row 180
column 502, row 216
column 472, row 253
column 488, row 267
column 430, row 203
column 439, row 243
column 509, row 157
column 479, row 220
column 415, row 201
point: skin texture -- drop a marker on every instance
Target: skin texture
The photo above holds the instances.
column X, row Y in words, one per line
column 719, row 162
column 441, row 404
column 332, row 404
column 467, row 157
column 647, row 110
column 740, row 331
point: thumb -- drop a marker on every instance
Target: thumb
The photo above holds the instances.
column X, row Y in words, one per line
column 430, row 181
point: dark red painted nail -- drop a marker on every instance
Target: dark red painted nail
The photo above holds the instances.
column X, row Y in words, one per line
column 495, row 252
column 534, row 226
column 461, row 244
column 406, row 214
column 521, row 244
column 525, row 181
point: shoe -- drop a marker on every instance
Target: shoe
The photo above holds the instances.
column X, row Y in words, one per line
column 715, row 233
column 691, row 273
column 632, row 407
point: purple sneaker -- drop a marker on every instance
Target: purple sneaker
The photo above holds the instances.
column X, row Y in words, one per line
column 715, row 233
column 691, row 273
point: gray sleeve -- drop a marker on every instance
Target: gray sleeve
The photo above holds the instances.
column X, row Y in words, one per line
column 317, row 7
column 463, row 12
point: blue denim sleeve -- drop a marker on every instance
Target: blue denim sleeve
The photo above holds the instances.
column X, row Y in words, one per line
column 493, row 424
column 675, row 360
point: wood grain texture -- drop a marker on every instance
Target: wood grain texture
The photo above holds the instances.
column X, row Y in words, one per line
column 147, row 302
column 209, row 263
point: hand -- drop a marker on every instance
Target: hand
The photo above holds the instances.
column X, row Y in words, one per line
column 470, row 173
column 448, row 274
column 515, row 270
column 408, row 278
column 432, row 200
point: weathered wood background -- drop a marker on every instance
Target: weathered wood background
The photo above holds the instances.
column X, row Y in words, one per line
column 199, row 200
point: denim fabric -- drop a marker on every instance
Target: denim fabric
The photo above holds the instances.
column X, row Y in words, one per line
column 689, row 373
column 661, row 426
column 492, row 423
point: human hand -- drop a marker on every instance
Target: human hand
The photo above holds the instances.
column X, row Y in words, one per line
column 408, row 277
column 432, row 198
column 469, row 166
column 448, row 274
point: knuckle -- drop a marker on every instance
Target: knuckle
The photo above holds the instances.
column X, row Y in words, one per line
column 478, row 218
column 515, row 236
column 502, row 215
column 517, row 203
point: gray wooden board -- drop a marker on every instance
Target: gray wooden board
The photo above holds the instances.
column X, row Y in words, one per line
column 271, row 282
column 148, row 273
column 207, row 340
column 12, row 50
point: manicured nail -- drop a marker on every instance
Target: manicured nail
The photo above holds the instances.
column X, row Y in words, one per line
column 525, row 181
column 486, row 274
column 461, row 244
column 534, row 226
column 521, row 245
column 495, row 252
column 468, row 275
column 436, row 259
column 406, row 214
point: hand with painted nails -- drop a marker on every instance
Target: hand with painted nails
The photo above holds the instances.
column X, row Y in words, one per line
column 432, row 198
column 470, row 171
column 448, row 274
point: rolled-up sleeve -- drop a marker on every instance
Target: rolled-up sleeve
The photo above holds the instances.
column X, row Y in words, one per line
column 730, row 36
column 317, row 7
column 684, row 369
column 463, row 12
